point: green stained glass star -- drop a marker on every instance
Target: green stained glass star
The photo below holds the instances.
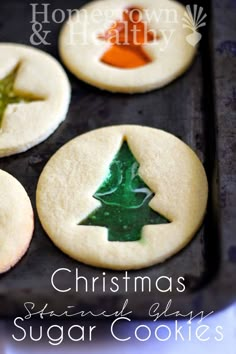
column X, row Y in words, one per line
column 8, row 95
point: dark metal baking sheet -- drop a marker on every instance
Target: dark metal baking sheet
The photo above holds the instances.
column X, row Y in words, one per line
column 200, row 109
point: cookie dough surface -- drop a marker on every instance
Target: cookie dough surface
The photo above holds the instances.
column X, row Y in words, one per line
column 16, row 221
column 40, row 79
column 81, row 48
column 72, row 176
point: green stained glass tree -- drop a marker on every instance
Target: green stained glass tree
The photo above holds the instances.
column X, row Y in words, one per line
column 124, row 200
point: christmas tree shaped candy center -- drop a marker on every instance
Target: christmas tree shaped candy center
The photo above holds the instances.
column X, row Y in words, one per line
column 124, row 200
column 127, row 37
column 8, row 95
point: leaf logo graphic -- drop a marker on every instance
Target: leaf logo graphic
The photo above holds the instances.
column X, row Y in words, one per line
column 194, row 19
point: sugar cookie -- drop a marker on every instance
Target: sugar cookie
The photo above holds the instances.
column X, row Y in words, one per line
column 34, row 97
column 16, row 221
column 122, row 197
column 127, row 46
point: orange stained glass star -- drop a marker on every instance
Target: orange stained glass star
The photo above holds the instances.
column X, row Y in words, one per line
column 127, row 37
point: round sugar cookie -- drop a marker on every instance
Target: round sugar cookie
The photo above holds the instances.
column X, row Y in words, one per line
column 34, row 97
column 122, row 197
column 16, row 221
column 128, row 46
